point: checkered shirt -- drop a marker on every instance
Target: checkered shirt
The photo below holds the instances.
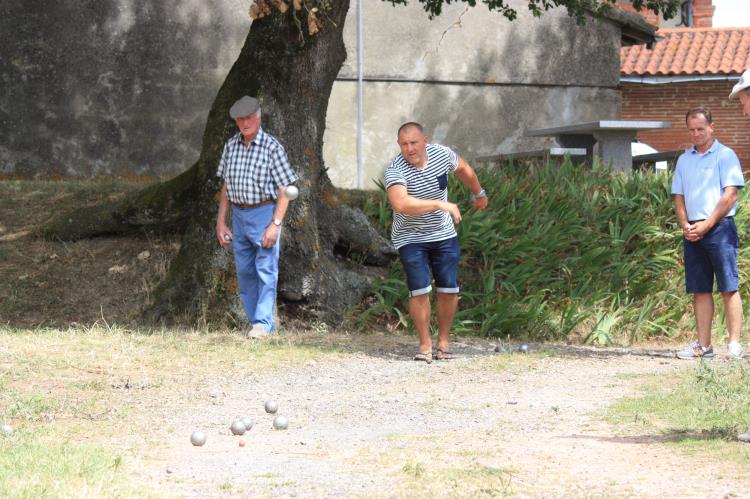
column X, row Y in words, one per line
column 254, row 173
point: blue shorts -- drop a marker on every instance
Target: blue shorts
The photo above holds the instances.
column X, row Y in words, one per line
column 715, row 254
column 439, row 256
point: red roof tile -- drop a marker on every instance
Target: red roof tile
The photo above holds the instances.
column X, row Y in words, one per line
column 690, row 51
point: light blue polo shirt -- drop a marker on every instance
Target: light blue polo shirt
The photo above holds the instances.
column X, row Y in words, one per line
column 701, row 179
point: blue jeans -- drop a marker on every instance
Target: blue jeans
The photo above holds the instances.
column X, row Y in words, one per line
column 257, row 267
column 439, row 256
column 715, row 254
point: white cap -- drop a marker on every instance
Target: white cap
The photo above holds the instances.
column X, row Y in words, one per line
column 741, row 85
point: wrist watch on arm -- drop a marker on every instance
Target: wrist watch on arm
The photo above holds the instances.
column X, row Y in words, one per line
column 277, row 222
column 480, row 194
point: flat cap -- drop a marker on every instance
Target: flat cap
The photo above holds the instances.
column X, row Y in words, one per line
column 244, row 107
column 741, row 85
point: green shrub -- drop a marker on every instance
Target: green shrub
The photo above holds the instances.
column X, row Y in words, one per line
column 560, row 251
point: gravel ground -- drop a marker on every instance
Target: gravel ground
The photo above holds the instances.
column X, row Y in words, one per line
column 361, row 425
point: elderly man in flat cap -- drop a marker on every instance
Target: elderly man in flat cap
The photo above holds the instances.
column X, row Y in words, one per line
column 256, row 171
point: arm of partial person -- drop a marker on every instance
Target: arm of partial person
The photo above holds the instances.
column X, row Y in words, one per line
column 468, row 177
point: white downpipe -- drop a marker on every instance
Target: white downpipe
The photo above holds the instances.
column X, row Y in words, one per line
column 360, row 100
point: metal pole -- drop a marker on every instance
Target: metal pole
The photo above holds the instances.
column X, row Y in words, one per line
column 360, row 100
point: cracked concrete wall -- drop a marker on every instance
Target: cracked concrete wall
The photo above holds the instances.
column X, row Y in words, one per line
column 123, row 87
column 474, row 79
column 111, row 87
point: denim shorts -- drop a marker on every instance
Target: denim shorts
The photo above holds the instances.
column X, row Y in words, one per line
column 441, row 257
column 715, row 254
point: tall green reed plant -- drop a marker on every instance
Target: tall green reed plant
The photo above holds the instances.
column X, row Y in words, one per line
column 560, row 251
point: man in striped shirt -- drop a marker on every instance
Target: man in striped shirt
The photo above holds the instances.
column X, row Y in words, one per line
column 256, row 171
column 423, row 230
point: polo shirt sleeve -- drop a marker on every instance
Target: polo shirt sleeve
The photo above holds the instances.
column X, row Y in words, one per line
column 394, row 176
column 677, row 187
column 730, row 170
column 282, row 172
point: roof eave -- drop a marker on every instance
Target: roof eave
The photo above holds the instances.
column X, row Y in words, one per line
column 635, row 30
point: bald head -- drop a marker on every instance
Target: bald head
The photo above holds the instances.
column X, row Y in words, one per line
column 411, row 125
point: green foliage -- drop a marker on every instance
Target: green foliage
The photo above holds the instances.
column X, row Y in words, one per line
column 576, row 8
column 707, row 402
column 562, row 250
column 721, row 398
column 33, row 466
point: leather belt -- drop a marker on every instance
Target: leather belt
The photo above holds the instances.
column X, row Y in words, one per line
column 256, row 205
column 703, row 220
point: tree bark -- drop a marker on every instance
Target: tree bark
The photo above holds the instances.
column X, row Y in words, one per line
column 292, row 74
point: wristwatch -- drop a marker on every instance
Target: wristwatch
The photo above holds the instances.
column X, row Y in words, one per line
column 481, row 194
column 277, row 222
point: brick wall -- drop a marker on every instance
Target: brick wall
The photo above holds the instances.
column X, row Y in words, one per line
column 703, row 13
column 671, row 101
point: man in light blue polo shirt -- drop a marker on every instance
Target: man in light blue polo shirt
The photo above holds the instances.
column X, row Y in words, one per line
column 705, row 185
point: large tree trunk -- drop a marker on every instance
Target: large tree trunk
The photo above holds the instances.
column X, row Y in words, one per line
column 292, row 74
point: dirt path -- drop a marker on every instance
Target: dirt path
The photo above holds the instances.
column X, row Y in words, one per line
column 487, row 424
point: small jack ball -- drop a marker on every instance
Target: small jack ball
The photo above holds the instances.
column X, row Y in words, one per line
column 524, row 348
column 6, row 430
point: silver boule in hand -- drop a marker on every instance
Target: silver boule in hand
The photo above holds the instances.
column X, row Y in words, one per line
column 291, row 192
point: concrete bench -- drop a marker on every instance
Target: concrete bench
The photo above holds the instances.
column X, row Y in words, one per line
column 552, row 154
column 609, row 140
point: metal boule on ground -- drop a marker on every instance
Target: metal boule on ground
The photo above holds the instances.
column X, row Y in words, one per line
column 271, row 407
column 280, row 423
column 198, row 438
column 237, row 427
column 248, row 422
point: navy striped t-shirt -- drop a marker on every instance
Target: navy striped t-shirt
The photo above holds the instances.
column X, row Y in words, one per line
column 429, row 182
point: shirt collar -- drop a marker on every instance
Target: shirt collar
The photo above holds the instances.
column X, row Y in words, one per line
column 256, row 141
column 713, row 148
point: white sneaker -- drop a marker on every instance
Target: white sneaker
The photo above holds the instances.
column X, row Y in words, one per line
column 735, row 350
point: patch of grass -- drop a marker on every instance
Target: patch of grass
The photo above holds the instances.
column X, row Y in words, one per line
column 456, row 466
column 39, row 466
column 469, row 480
column 31, row 407
column 511, row 362
column 702, row 408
